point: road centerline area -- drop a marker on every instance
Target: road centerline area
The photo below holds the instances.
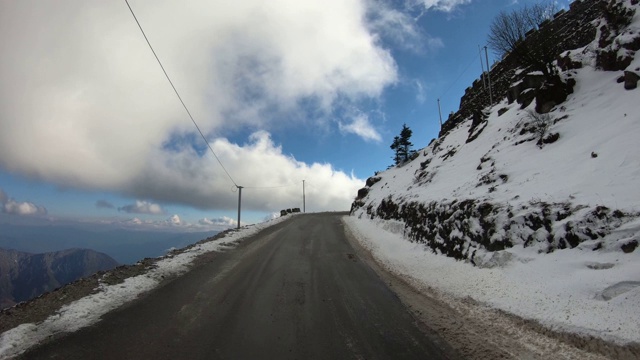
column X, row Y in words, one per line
column 294, row 291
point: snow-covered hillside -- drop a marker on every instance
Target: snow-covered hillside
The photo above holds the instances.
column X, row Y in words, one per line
column 544, row 209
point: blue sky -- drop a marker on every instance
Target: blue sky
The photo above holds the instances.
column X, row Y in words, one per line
column 285, row 91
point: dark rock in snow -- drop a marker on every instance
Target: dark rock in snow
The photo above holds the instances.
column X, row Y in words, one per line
column 363, row 192
column 630, row 80
column 372, row 180
column 552, row 93
column 630, row 246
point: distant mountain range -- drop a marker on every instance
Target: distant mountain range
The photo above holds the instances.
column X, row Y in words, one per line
column 124, row 245
column 24, row 276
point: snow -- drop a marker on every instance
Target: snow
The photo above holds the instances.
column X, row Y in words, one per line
column 576, row 290
column 88, row 310
column 595, row 162
column 602, row 119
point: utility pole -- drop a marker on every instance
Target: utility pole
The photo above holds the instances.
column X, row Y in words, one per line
column 484, row 81
column 440, row 114
column 488, row 76
column 304, row 209
column 239, row 202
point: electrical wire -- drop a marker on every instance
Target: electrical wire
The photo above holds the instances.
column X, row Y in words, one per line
column 460, row 75
column 269, row 187
column 178, row 94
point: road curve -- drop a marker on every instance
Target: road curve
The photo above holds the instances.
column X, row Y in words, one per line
column 294, row 291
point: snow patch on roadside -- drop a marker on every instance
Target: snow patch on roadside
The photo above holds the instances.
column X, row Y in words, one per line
column 573, row 290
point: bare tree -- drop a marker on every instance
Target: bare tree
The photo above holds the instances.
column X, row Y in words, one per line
column 509, row 29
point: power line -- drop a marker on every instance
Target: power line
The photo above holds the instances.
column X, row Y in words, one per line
column 460, row 75
column 179, row 97
column 269, row 187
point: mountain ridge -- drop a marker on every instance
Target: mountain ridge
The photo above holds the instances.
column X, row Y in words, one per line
column 24, row 276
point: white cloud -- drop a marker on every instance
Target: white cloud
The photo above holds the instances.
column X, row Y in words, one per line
column 134, row 221
column 23, row 208
column 176, row 223
column 143, row 207
column 441, row 5
column 400, row 28
column 83, row 103
column 180, row 176
column 221, row 221
column 361, row 126
column 175, row 220
column 10, row 206
column 421, row 92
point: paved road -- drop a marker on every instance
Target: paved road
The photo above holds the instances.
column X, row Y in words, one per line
column 294, row 291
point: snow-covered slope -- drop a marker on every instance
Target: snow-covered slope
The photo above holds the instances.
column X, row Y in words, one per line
column 555, row 209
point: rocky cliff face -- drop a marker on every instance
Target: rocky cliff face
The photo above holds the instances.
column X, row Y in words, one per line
column 24, row 276
column 568, row 30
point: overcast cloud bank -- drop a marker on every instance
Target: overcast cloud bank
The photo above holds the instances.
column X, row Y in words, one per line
column 83, row 103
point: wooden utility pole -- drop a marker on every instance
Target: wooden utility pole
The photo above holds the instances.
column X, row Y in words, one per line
column 486, row 54
column 239, row 203
column 440, row 114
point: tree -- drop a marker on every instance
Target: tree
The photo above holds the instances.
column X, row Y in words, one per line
column 402, row 146
column 509, row 29
column 395, row 147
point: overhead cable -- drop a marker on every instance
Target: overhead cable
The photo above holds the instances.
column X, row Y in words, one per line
column 178, row 94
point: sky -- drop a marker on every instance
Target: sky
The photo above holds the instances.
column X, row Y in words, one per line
column 284, row 91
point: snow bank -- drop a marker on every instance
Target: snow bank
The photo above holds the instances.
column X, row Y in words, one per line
column 574, row 290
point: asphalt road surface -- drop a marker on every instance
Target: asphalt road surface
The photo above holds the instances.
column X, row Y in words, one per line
column 294, row 291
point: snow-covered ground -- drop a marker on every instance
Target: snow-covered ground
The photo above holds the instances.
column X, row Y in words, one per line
column 88, row 310
column 586, row 284
column 574, row 290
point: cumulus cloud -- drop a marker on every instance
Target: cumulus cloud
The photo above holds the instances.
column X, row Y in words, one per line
column 83, row 103
column 176, row 223
column 10, row 206
column 143, row 207
column 23, row 208
column 175, row 220
column 361, row 126
column 221, row 221
column 181, row 176
column 104, row 204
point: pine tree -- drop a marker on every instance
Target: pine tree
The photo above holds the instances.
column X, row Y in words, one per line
column 395, row 146
column 405, row 144
column 402, row 146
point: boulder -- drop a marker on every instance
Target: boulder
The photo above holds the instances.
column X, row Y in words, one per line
column 529, row 81
column 526, row 97
column 566, row 63
column 552, row 93
column 631, row 80
column 372, row 180
column 363, row 192
column 514, row 91
column 609, row 60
